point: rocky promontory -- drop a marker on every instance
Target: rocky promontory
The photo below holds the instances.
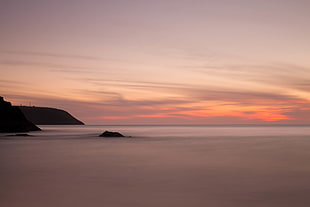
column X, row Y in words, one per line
column 49, row 116
column 13, row 120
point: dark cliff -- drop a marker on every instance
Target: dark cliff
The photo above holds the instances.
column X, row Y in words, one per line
column 49, row 116
column 13, row 120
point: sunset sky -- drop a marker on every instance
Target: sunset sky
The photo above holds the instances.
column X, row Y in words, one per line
column 159, row 62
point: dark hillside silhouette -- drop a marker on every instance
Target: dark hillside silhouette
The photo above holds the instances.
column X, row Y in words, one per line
column 13, row 120
column 49, row 116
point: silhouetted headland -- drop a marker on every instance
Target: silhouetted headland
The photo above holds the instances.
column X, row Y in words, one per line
column 49, row 116
column 13, row 120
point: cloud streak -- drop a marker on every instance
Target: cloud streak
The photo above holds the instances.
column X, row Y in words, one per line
column 44, row 65
column 53, row 55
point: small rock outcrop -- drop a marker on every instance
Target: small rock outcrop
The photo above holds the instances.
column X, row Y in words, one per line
column 20, row 135
column 13, row 120
column 111, row 134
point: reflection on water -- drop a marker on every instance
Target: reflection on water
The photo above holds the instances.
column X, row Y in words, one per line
column 160, row 166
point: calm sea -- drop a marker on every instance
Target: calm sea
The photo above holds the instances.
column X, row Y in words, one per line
column 157, row 131
column 167, row 166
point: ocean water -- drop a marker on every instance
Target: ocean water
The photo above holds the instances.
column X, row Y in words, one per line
column 167, row 166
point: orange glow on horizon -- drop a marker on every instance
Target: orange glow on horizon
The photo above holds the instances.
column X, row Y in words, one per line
column 113, row 117
column 269, row 115
column 265, row 116
column 155, row 116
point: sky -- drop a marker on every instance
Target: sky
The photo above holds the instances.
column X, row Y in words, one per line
column 159, row 62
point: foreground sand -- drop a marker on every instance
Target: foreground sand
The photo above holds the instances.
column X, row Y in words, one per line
column 149, row 172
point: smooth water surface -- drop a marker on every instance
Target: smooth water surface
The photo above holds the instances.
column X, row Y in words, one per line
column 185, row 166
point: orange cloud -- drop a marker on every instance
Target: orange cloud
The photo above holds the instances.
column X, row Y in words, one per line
column 269, row 116
column 155, row 116
column 114, row 117
column 264, row 113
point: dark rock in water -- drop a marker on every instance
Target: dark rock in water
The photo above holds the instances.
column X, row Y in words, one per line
column 13, row 120
column 20, row 135
column 49, row 116
column 111, row 134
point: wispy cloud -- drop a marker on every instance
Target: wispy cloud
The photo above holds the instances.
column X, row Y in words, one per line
column 258, row 93
column 284, row 74
column 47, row 54
column 12, row 82
column 196, row 92
column 45, row 65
